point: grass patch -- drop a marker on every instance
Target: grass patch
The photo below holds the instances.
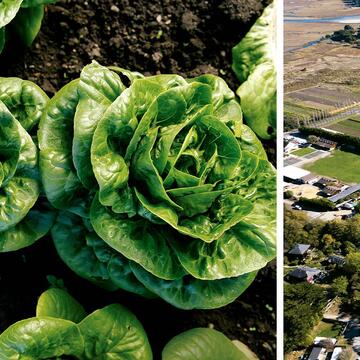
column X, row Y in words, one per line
column 303, row 151
column 340, row 165
column 350, row 126
column 327, row 329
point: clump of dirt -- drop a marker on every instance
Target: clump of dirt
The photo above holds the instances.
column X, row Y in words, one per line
column 187, row 37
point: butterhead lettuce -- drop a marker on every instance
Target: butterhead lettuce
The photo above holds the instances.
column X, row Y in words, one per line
column 24, row 214
column 162, row 190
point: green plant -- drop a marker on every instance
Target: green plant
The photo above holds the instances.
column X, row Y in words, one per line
column 162, row 190
column 23, row 17
column 317, row 204
column 61, row 329
column 24, row 213
column 254, row 65
column 205, row 344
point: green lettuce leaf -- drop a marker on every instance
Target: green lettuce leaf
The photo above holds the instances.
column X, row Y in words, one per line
column 27, row 23
column 8, row 10
column 189, row 293
column 114, row 333
column 202, row 344
column 254, row 60
column 41, row 338
column 57, row 303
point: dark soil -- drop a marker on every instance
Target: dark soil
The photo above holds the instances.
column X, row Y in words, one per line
column 188, row 37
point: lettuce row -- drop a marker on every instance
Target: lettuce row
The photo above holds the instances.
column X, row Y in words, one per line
column 24, row 214
column 254, row 60
column 24, row 17
column 162, row 190
column 62, row 330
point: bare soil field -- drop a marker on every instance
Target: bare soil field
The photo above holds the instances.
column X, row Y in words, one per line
column 305, row 190
column 334, row 64
column 311, row 9
column 329, row 95
column 299, row 35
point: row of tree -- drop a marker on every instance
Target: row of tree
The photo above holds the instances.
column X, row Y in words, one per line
column 337, row 137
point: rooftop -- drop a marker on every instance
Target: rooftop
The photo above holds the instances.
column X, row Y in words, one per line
column 299, row 249
column 350, row 190
column 302, row 272
column 315, row 353
column 294, row 173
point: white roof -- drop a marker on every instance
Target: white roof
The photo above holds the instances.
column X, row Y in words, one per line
column 336, row 353
column 294, row 173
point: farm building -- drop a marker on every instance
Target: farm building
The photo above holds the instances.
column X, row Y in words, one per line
column 325, row 144
column 332, row 190
column 294, row 174
column 306, row 273
column 325, row 181
column 310, row 179
column 293, row 141
column 300, row 250
column 345, row 193
column 318, row 353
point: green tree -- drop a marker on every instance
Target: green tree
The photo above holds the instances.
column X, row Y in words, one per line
column 288, row 194
column 301, row 299
column 312, row 139
column 328, row 243
column 340, row 285
column 352, row 265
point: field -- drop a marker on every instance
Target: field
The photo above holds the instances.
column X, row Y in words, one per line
column 340, row 165
column 327, row 96
column 303, row 151
column 327, row 329
column 349, row 126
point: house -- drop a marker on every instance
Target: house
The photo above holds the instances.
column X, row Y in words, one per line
column 325, row 144
column 310, row 179
column 300, row 250
column 345, row 193
column 336, row 259
column 294, row 174
column 318, row 353
column 325, row 181
column 349, row 205
column 331, row 190
column 306, row 273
